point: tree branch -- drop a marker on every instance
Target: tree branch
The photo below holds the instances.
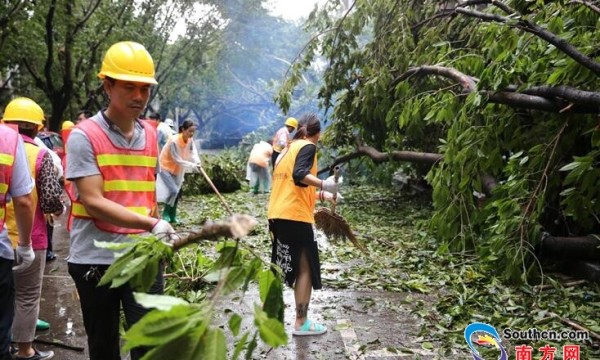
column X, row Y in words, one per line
column 545, row 98
column 586, row 3
column 467, row 82
column 379, row 157
column 540, row 32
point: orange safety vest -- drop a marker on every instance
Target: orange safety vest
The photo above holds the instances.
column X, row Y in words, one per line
column 289, row 201
column 128, row 175
column 166, row 159
column 39, row 232
column 8, row 148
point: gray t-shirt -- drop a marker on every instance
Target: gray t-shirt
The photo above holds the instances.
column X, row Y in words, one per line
column 81, row 162
column 21, row 184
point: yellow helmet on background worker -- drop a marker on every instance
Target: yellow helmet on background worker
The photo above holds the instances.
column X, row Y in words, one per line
column 67, row 124
column 292, row 122
column 128, row 61
column 25, row 110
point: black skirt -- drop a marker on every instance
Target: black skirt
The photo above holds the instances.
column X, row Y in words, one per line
column 289, row 239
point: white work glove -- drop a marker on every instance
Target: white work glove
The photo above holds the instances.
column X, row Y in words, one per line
column 163, row 230
column 25, row 257
column 327, row 196
column 330, row 184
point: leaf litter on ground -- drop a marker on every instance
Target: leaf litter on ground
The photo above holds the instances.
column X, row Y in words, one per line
column 449, row 291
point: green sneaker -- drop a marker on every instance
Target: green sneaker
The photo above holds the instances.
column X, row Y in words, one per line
column 42, row 325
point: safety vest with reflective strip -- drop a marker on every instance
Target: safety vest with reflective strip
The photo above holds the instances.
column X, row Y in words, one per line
column 8, row 148
column 289, row 201
column 128, row 175
column 39, row 231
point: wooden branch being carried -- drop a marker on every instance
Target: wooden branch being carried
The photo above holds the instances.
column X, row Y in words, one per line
column 236, row 226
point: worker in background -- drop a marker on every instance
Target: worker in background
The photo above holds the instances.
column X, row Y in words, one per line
column 112, row 159
column 28, row 116
column 165, row 131
column 81, row 115
column 178, row 155
column 282, row 138
column 257, row 170
column 16, row 185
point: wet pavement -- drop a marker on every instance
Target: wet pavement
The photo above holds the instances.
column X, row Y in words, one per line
column 361, row 325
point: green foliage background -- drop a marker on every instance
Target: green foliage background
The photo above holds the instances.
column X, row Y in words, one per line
column 545, row 162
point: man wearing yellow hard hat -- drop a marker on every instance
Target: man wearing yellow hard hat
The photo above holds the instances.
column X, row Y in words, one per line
column 28, row 117
column 112, row 159
column 282, row 138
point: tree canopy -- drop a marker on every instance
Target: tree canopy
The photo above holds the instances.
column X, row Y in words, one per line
column 505, row 92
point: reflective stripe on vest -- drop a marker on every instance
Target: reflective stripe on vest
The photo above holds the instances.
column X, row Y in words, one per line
column 289, row 201
column 128, row 175
column 8, row 148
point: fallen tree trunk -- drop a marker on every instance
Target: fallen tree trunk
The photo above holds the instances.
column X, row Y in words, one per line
column 581, row 247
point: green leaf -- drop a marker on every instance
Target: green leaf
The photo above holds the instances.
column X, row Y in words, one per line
column 185, row 347
column 265, row 279
column 215, row 347
column 159, row 327
column 272, row 332
column 239, row 346
column 113, row 246
column 235, row 322
column 131, row 269
column 116, row 268
column 160, row 302
column 251, row 347
column 570, row 166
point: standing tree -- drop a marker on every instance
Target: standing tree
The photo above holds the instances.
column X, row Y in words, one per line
column 59, row 50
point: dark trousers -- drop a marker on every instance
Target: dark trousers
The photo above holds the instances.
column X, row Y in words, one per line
column 101, row 307
column 7, row 306
column 50, row 230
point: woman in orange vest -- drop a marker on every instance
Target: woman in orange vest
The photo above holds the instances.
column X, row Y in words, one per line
column 291, row 207
column 178, row 154
column 16, row 186
column 28, row 116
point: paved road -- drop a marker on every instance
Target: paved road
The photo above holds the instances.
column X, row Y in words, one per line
column 362, row 325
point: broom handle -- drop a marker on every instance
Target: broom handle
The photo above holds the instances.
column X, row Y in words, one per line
column 215, row 189
column 336, row 176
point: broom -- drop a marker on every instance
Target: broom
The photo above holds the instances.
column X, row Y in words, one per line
column 334, row 225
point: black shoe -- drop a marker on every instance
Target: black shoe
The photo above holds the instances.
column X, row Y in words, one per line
column 38, row 355
column 50, row 255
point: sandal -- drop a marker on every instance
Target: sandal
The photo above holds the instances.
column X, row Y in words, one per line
column 310, row 328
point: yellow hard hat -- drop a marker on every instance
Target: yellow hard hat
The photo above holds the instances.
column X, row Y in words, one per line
column 292, row 122
column 128, row 61
column 25, row 110
column 67, row 125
